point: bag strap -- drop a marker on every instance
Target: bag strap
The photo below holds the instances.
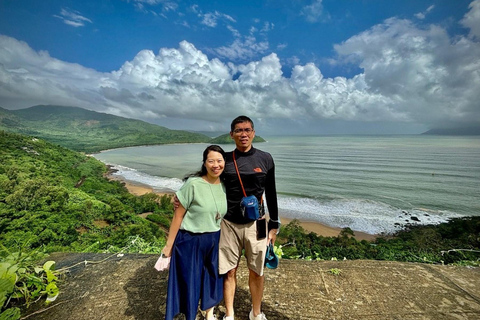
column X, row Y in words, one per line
column 240, row 178
column 238, row 173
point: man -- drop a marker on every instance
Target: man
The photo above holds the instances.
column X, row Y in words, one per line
column 257, row 173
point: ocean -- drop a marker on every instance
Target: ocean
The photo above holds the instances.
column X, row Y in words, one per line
column 372, row 184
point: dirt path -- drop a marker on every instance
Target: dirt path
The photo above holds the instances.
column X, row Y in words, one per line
column 129, row 287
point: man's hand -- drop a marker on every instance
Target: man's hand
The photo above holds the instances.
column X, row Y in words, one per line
column 272, row 236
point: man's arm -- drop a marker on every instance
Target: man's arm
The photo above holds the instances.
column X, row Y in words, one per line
column 272, row 203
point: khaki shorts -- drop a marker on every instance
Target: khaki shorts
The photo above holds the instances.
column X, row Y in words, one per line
column 236, row 237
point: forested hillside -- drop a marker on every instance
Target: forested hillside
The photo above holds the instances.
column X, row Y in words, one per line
column 58, row 199
column 88, row 131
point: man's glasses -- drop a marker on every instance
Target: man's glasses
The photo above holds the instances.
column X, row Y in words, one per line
column 240, row 131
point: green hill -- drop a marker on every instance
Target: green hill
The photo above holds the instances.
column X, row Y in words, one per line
column 226, row 139
column 88, row 131
column 460, row 131
column 59, row 199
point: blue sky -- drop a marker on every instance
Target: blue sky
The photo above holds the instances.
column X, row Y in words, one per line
column 295, row 67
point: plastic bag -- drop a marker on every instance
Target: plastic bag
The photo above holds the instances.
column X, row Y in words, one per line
column 163, row 263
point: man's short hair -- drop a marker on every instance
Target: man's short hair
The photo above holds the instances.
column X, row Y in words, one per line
column 240, row 119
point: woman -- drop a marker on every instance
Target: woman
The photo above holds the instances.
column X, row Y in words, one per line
column 193, row 239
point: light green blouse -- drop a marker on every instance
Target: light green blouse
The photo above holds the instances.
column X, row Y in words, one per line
column 206, row 205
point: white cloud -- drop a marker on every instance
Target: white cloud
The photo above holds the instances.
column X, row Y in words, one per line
column 210, row 19
column 422, row 15
column 267, row 26
column 245, row 47
column 150, row 2
column 234, row 31
column 166, row 5
column 410, row 74
column 472, row 19
column 426, row 76
column 243, row 50
column 313, row 12
column 72, row 18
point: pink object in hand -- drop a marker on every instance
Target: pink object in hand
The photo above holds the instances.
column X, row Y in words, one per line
column 162, row 263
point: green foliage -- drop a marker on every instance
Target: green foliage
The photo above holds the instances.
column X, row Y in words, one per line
column 136, row 244
column 60, row 200
column 88, row 131
column 160, row 219
column 430, row 243
column 335, row 271
column 22, row 281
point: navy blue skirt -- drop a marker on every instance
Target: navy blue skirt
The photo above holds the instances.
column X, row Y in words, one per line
column 193, row 274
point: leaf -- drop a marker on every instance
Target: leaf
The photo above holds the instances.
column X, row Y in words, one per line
column 6, row 285
column 48, row 265
column 3, row 298
column 51, row 298
column 52, row 289
column 10, row 314
column 50, row 276
column 4, row 267
column 21, row 270
column 7, row 269
column 38, row 269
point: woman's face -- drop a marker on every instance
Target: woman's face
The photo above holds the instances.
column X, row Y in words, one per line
column 214, row 164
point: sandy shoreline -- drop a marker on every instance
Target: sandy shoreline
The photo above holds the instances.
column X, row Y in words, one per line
column 311, row 226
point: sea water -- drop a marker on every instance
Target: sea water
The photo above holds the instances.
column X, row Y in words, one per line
column 372, row 184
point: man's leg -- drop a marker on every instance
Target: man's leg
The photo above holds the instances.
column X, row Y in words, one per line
column 229, row 286
column 255, row 282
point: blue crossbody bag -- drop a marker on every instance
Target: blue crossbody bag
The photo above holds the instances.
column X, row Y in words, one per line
column 248, row 204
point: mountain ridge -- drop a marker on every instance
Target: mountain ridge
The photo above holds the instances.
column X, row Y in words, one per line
column 459, row 131
column 90, row 131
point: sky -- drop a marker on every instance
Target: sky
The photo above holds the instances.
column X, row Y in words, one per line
column 293, row 66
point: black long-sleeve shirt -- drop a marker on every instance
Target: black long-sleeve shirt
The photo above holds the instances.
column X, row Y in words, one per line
column 257, row 170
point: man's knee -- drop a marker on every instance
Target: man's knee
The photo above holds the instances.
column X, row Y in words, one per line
column 254, row 275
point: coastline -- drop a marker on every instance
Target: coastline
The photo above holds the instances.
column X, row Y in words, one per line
column 310, row 226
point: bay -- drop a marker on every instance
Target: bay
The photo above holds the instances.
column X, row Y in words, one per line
column 372, row 184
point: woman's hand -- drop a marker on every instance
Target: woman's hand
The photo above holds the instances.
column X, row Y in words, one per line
column 167, row 251
column 176, row 202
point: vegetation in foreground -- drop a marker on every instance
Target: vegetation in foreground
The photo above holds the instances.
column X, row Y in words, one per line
column 55, row 199
column 59, row 200
column 457, row 241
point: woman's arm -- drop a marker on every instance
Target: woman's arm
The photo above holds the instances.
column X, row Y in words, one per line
column 174, row 227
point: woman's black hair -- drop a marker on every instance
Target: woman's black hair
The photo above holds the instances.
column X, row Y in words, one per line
column 203, row 170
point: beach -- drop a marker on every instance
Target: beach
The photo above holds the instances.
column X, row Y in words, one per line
column 310, row 226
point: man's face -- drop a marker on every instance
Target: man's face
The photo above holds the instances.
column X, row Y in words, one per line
column 243, row 135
